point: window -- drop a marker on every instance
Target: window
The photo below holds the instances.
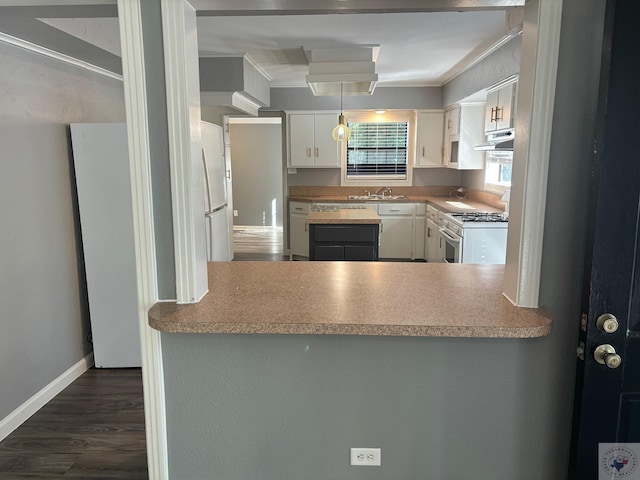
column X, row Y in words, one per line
column 497, row 173
column 380, row 150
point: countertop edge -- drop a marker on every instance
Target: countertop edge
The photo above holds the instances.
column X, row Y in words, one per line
column 358, row 330
column 308, row 298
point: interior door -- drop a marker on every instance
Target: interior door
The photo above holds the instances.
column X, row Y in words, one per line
column 607, row 416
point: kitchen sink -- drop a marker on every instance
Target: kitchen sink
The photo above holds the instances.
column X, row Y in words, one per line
column 376, row 197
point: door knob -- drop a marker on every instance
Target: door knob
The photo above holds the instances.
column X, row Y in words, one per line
column 607, row 323
column 606, row 355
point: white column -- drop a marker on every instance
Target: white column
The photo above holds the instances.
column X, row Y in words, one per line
column 534, row 119
column 131, row 37
column 185, row 148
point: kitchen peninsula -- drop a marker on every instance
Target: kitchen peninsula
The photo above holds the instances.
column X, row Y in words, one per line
column 348, row 233
column 282, row 357
column 352, row 298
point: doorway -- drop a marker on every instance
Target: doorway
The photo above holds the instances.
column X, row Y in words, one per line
column 256, row 160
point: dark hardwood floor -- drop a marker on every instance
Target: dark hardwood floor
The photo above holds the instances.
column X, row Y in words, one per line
column 94, row 429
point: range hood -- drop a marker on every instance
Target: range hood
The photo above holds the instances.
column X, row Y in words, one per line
column 499, row 141
column 350, row 69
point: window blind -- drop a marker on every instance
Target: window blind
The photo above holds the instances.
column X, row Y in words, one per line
column 377, row 149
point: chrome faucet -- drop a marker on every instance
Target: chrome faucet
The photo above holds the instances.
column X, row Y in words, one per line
column 382, row 191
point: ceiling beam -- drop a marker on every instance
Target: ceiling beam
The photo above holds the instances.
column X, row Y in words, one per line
column 59, row 9
column 304, row 7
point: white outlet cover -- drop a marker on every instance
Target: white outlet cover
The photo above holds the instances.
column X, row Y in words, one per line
column 365, row 457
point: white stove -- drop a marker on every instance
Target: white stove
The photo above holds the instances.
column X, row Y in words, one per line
column 477, row 237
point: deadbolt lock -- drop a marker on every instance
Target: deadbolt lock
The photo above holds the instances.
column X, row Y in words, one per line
column 606, row 355
column 607, row 323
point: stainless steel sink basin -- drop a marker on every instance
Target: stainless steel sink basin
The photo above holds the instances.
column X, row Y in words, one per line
column 375, row 197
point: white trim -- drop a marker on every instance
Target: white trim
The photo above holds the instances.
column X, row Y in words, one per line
column 258, row 68
column 40, row 399
column 236, row 100
column 389, row 116
column 528, row 199
column 471, row 60
column 61, row 57
column 181, row 136
column 135, row 93
column 260, row 120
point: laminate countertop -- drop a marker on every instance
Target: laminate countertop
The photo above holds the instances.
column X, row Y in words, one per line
column 353, row 298
column 350, row 216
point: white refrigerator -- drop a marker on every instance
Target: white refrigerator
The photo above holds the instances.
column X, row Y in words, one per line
column 101, row 163
column 219, row 237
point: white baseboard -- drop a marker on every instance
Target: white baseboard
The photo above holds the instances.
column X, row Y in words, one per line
column 40, row 399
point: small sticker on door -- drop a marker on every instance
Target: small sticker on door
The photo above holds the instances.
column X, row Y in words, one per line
column 619, row 460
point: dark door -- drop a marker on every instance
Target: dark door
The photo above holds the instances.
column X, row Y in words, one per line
column 607, row 416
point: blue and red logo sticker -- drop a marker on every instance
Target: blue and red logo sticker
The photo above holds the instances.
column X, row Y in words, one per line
column 619, row 460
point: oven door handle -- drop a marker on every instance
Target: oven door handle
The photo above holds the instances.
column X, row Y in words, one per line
column 449, row 235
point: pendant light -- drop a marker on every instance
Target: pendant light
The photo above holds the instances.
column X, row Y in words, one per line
column 341, row 133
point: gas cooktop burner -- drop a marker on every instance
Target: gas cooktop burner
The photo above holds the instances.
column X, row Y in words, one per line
column 480, row 217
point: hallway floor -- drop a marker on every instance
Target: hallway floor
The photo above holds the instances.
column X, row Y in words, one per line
column 93, row 429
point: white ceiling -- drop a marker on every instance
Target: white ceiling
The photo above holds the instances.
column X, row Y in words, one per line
column 417, row 49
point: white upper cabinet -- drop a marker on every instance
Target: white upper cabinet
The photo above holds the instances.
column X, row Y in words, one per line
column 500, row 109
column 430, row 139
column 466, row 120
column 310, row 141
column 452, row 120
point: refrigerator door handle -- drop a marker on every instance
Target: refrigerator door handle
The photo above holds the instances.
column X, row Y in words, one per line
column 209, row 213
column 207, row 181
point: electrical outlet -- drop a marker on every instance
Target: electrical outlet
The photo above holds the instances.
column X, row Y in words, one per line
column 235, row 213
column 365, row 457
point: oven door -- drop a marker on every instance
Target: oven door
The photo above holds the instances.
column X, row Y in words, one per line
column 451, row 246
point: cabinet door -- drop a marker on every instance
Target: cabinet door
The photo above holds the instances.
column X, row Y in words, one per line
column 430, row 139
column 431, row 242
column 301, row 144
column 326, row 149
column 396, row 236
column 505, row 107
column 452, row 119
column 419, row 238
column 490, row 111
column 299, row 235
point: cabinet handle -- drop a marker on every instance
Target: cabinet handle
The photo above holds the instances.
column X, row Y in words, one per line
column 423, row 151
column 492, row 114
column 499, row 113
column 298, row 208
column 305, row 226
column 317, row 151
column 309, row 152
column 429, row 232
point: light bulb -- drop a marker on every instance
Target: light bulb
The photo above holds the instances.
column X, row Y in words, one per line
column 341, row 133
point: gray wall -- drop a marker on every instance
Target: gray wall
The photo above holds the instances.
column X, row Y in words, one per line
column 438, row 408
column 299, row 403
column 159, row 151
column 501, row 64
column 233, row 74
column 331, row 176
column 44, row 320
column 256, row 162
column 382, row 98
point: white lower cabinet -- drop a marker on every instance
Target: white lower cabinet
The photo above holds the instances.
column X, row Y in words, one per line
column 298, row 229
column 431, row 242
column 396, row 236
